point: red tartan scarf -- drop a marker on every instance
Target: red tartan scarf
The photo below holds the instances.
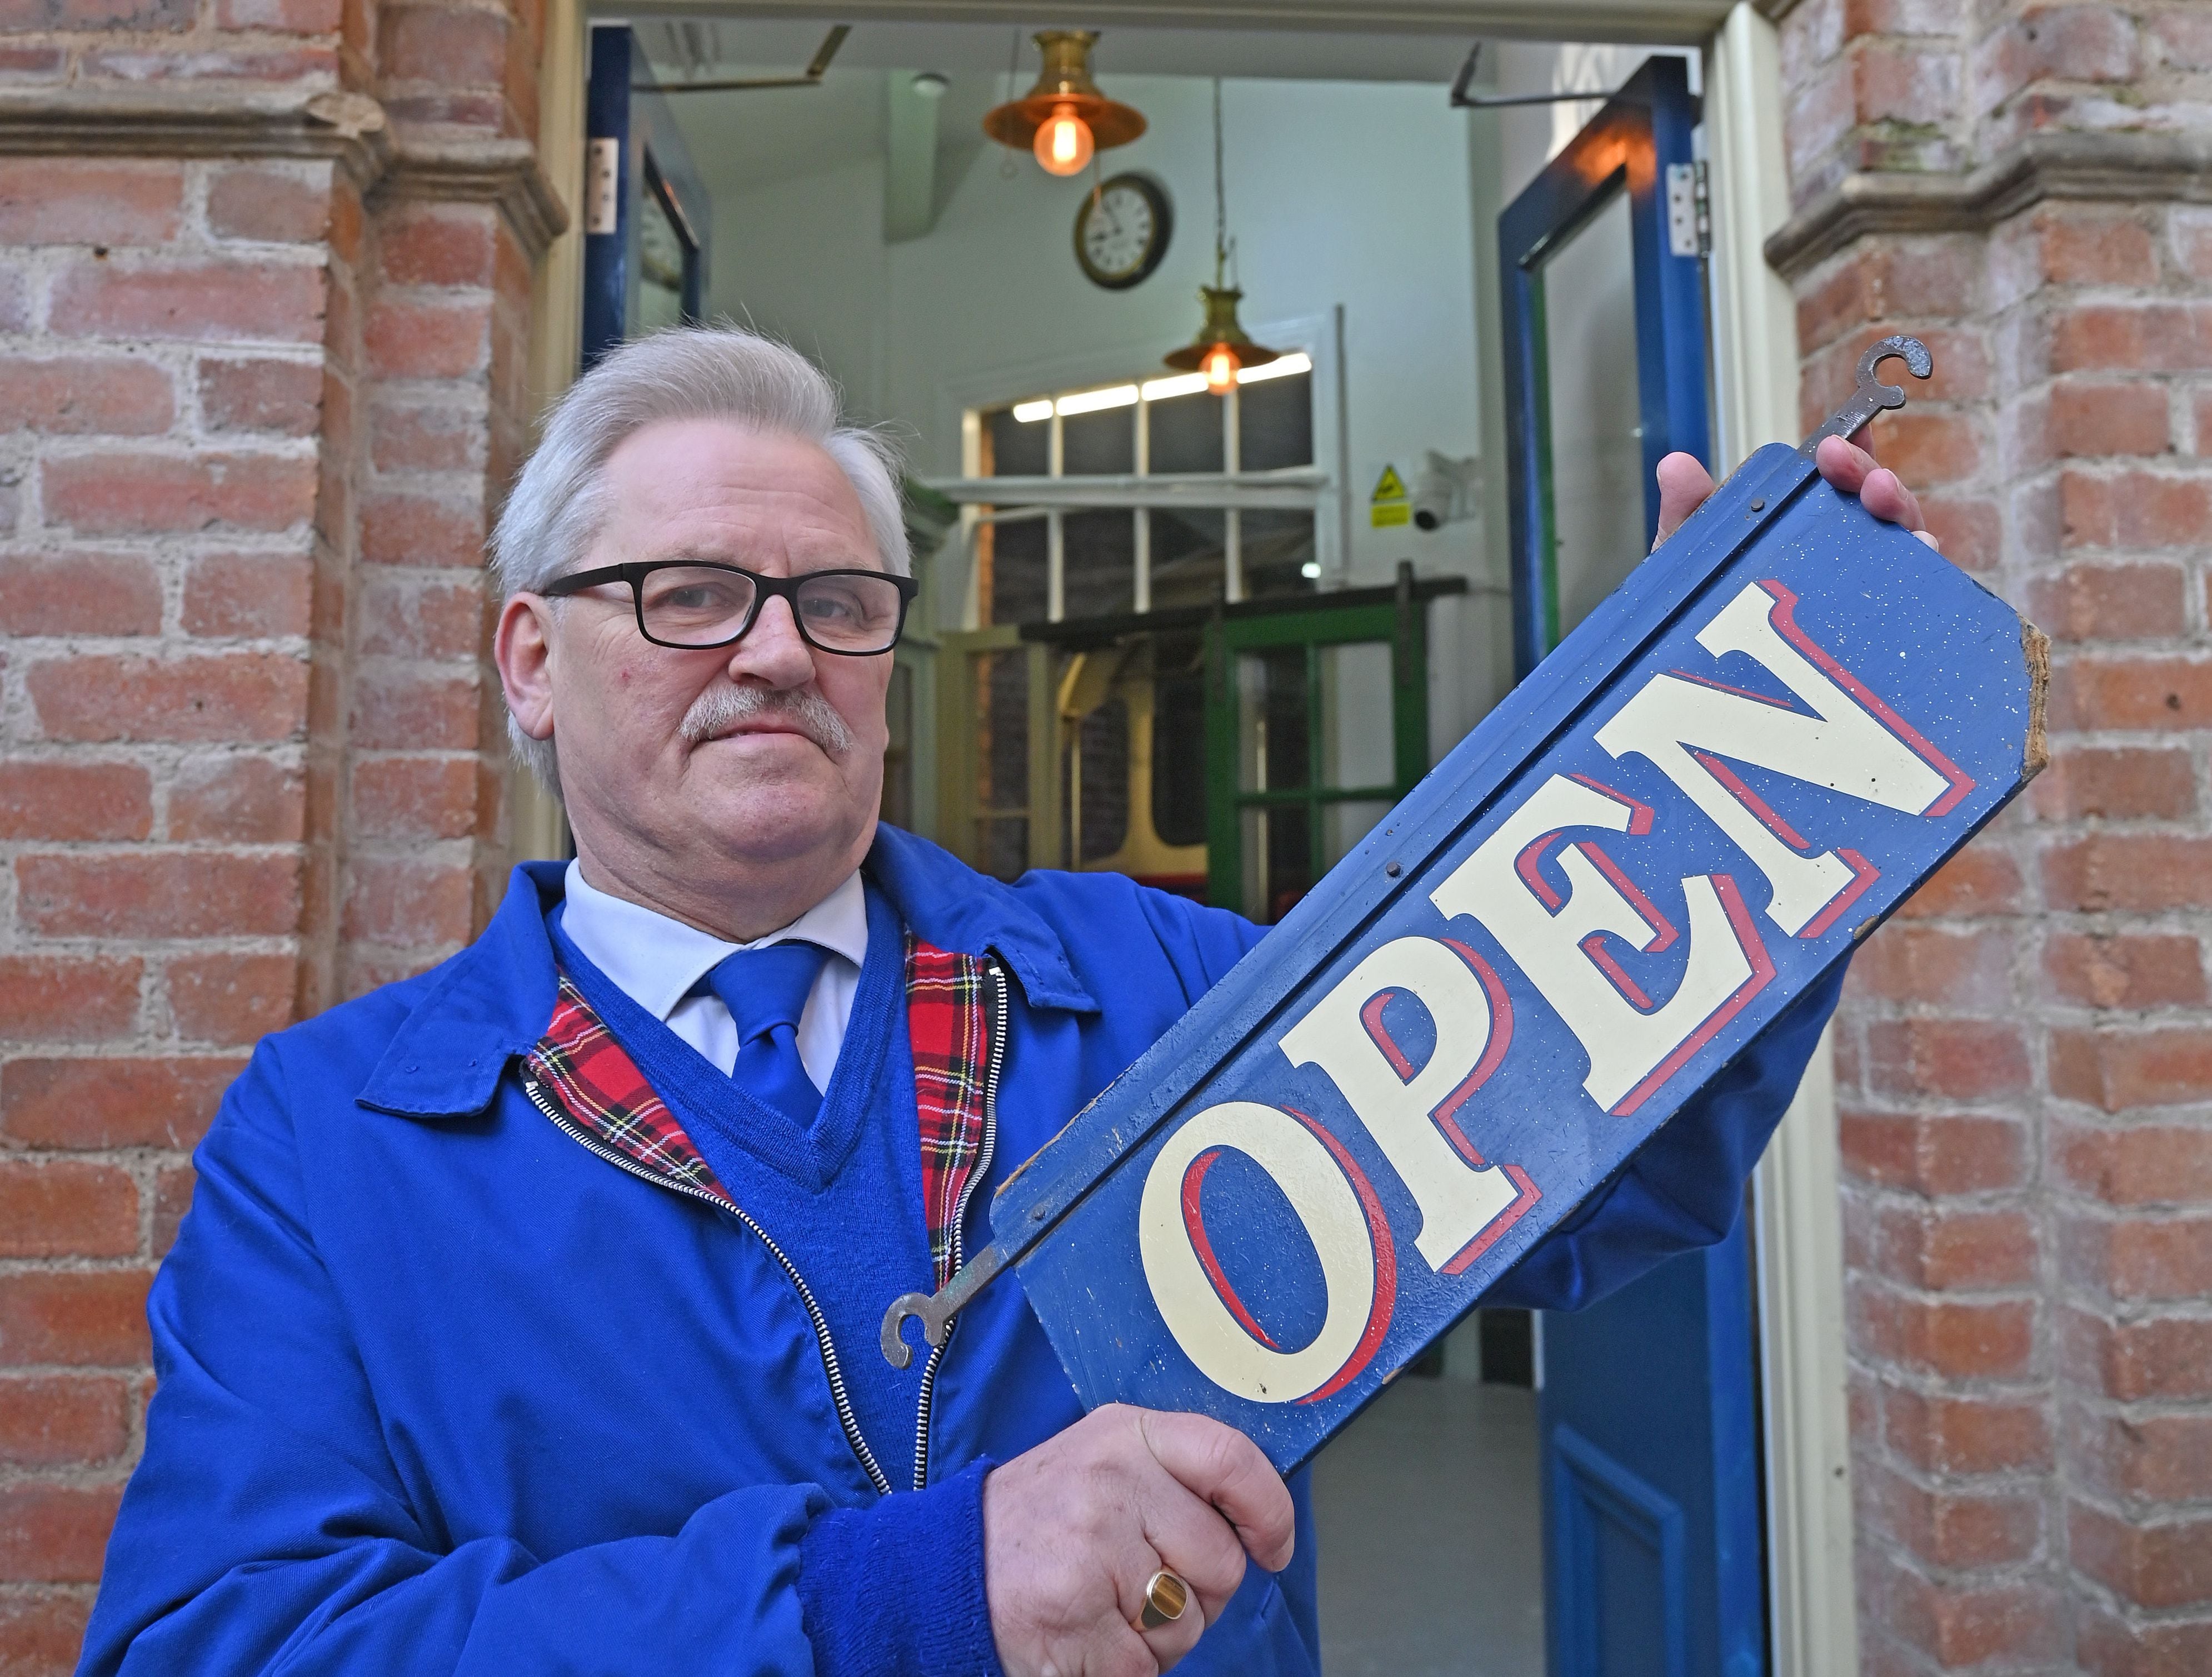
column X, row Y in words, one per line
column 584, row 1071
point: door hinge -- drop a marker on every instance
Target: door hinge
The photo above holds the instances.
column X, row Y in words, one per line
column 1689, row 211
column 603, row 186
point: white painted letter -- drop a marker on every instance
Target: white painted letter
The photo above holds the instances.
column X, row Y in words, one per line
column 1854, row 744
column 1411, row 1114
column 1633, row 1044
column 1341, row 1217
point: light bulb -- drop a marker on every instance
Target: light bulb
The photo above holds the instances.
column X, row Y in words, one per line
column 1220, row 364
column 1063, row 142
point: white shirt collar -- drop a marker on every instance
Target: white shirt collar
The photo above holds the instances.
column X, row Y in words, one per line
column 655, row 961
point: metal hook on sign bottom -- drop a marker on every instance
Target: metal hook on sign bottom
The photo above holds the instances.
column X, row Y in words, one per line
column 1873, row 397
column 936, row 1310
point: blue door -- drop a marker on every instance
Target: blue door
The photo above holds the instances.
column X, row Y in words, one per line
column 646, row 222
column 1647, row 1415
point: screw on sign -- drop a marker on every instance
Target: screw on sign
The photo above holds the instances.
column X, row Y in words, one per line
column 1785, row 721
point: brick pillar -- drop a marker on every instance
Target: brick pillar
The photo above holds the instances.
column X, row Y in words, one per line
column 2024, row 1055
column 264, row 268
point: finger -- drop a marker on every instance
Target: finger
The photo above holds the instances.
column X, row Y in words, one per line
column 1684, row 484
column 1193, row 1539
column 1127, row 1652
column 1846, row 466
column 1884, row 494
column 1169, row 1641
column 1219, row 1465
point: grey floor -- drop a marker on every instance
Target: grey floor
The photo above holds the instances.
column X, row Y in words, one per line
column 1432, row 1560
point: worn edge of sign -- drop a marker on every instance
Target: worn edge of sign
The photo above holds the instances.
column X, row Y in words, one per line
column 2035, row 649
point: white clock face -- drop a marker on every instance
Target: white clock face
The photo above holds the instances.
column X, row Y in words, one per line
column 1119, row 232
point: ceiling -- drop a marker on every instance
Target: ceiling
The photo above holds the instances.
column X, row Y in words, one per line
column 730, row 45
column 743, row 140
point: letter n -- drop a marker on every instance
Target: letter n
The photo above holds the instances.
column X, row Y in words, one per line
column 1691, row 730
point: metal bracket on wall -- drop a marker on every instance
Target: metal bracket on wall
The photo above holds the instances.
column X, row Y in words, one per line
column 817, row 68
column 1467, row 101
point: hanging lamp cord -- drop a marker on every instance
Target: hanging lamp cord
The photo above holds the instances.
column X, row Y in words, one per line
column 1220, row 196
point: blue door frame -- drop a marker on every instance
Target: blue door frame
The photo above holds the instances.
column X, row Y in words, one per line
column 622, row 104
column 1647, row 1418
column 1642, row 129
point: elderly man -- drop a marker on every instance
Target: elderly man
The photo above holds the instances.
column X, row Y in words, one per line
column 525, row 1317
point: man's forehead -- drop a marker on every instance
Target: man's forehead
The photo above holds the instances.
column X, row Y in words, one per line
column 705, row 477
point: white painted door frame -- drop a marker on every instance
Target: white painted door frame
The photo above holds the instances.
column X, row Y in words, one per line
column 1799, row 1241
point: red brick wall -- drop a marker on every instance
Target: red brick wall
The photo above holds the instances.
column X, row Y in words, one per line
column 2025, row 1056
column 254, row 424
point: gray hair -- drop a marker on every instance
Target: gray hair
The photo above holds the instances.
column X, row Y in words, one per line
column 560, row 500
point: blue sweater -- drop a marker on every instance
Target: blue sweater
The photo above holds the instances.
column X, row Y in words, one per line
column 843, row 1198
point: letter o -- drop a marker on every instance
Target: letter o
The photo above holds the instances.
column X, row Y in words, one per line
column 1341, row 1216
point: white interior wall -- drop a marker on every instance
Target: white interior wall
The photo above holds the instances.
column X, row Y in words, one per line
column 1354, row 194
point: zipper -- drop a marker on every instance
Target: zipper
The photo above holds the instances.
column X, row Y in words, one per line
column 982, row 1169
column 846, row 1418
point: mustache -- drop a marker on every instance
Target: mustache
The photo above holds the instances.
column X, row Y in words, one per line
column 725, row 705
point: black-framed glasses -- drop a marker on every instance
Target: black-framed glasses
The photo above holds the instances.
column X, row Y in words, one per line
column 690, row 604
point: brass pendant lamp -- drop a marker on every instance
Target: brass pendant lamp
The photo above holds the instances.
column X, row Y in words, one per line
column 1064, row 119
column 1222, row 348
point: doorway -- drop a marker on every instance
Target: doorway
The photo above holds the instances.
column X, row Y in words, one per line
column 1039, row 782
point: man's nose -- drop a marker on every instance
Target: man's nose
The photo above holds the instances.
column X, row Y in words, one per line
column 772, row 650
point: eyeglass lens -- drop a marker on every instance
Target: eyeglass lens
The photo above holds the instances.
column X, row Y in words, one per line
column 685, row 605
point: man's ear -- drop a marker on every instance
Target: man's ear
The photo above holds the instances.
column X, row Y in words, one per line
column 522, row 647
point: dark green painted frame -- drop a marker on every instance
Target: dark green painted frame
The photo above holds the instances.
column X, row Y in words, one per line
column 1401, row 622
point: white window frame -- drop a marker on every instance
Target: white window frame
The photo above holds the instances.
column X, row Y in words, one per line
column 1317, row 488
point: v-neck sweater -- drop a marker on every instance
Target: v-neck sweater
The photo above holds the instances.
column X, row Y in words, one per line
column 843, row 1196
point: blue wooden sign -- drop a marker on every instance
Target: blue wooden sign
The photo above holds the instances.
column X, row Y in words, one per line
column 1786, row 720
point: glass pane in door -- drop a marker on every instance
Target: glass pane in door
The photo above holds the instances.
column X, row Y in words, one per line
column 1356, row 736
column 1596, row 511
column 1344, row 824
column 659, row 265
column 1272, row 726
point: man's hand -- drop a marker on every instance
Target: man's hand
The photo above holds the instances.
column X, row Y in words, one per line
column 1684, row 484
column 1074, row 1528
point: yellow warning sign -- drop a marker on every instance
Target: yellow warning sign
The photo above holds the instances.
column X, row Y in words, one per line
column 1390, row 504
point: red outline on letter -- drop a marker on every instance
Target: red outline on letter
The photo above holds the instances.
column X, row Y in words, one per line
column 1763, row 812
column 1370, row 1017
column 1194, row 1227
column 1781, row 615
column 1867, row 873
column 1604, row 959
column 1661, row 927
column 1527, row 1196
column 1386, row 1263
column 1527, row 864
column 1445, row 1113
column 1640, row 813
column 1762, row 970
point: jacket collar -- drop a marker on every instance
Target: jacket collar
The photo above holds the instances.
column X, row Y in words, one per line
column 493, row 1000
column 486, row 1005
column 948, row 903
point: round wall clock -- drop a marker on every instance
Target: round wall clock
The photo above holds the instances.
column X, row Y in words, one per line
column 1121, row 231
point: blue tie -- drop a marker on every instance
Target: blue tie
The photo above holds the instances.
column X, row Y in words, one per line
column 766, row 991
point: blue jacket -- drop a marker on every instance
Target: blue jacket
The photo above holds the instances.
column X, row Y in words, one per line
column 441, row 1390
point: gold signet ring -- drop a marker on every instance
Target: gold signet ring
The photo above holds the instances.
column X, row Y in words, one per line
column 1165, row 1597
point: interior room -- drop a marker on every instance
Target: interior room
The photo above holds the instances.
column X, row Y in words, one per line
column 1199, row 623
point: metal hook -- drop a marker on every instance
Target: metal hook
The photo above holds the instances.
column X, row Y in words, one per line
column 1873, row 397
column 935, row 1311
